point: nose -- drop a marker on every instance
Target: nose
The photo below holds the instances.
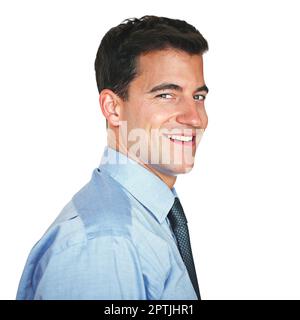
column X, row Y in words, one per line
column 193, row 114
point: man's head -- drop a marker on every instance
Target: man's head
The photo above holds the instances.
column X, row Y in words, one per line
column 149, row 74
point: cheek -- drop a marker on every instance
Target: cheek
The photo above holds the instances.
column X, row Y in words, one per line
column 132, row 115
column 159, row 115
column 158, row 118
column 146, row 115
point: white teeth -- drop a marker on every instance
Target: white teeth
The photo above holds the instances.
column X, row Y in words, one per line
column 181, row 138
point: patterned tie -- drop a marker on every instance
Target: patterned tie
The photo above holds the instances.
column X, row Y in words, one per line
column 178, row 223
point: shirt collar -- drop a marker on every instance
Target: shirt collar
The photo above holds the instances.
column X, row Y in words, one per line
column 141, row 183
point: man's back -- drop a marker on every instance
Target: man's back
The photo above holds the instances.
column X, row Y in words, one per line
column 111, row 241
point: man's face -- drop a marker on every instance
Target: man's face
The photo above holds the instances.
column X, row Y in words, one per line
column 165, row 106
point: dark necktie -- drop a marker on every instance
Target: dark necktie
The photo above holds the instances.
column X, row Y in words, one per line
column 178, row 223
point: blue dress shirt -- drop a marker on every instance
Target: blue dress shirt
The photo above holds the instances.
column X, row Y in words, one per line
column 111, row 241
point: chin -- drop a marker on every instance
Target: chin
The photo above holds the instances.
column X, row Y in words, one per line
column 184, row 169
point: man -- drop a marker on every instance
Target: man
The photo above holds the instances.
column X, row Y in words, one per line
column 124, row 234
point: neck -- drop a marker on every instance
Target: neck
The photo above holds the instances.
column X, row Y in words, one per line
column 167, row 179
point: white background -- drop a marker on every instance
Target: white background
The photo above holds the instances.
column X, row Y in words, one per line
column 241, row 199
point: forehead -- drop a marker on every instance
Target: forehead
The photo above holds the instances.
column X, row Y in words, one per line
column 169, row 65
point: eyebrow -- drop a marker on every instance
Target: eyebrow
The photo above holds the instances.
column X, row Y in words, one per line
column 173, row 86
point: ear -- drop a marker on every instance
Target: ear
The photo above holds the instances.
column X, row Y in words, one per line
column 110, row 106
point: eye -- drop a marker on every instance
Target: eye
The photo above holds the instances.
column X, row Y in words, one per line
column 199, row 97
column 164, row 96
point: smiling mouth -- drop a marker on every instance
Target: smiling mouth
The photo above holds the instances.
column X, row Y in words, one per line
column 182, row 140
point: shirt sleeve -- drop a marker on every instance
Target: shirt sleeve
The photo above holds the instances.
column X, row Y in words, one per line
column 105, row 268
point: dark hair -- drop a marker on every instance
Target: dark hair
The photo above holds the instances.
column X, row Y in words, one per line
column 115, row 63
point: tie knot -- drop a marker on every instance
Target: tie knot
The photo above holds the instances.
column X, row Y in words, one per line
column 176, row 215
